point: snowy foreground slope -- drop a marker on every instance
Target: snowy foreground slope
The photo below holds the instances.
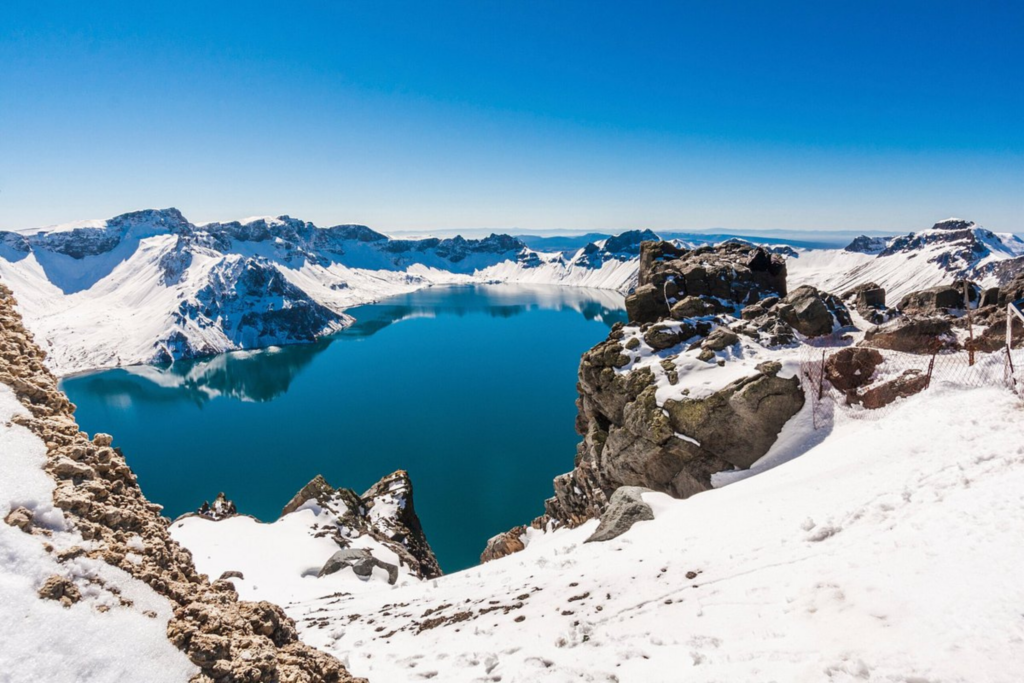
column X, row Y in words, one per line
column 101, row 637
column 889, row 551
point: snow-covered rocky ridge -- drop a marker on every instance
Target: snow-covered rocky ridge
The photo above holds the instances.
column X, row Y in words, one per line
column 150, row 286
column 950, row 249
column 92, row 587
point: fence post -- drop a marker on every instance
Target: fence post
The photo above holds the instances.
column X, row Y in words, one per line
column 970, row 324
column 821, row 377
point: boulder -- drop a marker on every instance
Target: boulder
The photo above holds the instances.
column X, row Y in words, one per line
column 721, row 338
column 909, row 383
column 646, row 304
column 626, row 507
column 691, row 307
column 665, row 336
column 932, row 301
column 739, row 423
column 806, row 312
column 361, row 561
column 912, row 335
column 870, row 298
column 851, row 368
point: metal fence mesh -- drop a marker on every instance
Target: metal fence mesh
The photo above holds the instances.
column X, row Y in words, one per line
column 899, row 375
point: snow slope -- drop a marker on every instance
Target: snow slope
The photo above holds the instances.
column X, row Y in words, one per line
column 951, row 249
column 40, row 640
column 888, row 551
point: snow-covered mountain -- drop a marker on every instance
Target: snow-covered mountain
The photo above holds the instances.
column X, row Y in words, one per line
column 150, row 286
column 950, row 249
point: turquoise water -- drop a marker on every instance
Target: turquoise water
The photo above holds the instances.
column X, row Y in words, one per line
column 471, row 389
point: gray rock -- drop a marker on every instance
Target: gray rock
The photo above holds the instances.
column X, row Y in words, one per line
column 646, row 304
column 722, row 338
column 932, row 301
column 626, row 507
column 691, row 307
column 805, row 311
column 661, row 337
column 361, row 561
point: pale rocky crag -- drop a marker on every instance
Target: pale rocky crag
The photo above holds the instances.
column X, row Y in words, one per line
column 228, row 640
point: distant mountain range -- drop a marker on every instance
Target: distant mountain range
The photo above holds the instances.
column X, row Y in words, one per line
column 150, row 286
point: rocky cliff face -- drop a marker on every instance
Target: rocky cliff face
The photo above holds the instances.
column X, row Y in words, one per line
column 680, row 392
column 227, row 639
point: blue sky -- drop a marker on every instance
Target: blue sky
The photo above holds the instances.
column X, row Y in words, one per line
column 516, row 115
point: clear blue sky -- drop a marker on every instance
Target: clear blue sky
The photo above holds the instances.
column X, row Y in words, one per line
column 530, row 115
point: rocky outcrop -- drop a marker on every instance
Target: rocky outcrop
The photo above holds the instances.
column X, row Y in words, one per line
column 221, row 508
column 96, row 490
column 725, row 277
column 385, row 512
column 684, row 305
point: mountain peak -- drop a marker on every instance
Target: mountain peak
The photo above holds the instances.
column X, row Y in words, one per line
column 953, row 224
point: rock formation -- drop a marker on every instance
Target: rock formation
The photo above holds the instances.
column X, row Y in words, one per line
column 681, row 312
column 96, row 490
column 385, row 512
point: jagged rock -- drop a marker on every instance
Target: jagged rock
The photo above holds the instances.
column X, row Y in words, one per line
column 362, row 562
column 222, row 508
column 504, row 544
column 60, row 589
column 912, row 335
column 317, row 489
column 21, row 518
column 909, row 383
column 391, row 510
column 626, row 507
column 804, row 311
column 852, row 368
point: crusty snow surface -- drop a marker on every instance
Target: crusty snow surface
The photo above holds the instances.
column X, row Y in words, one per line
column 888, row 551
column 39, row 639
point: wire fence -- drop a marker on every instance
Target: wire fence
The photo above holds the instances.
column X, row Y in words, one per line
column 863, row 382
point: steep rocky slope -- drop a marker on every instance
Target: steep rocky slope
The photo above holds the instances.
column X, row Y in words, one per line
column 97, row 496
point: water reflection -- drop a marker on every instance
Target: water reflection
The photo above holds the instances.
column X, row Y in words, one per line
column 263, row 375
